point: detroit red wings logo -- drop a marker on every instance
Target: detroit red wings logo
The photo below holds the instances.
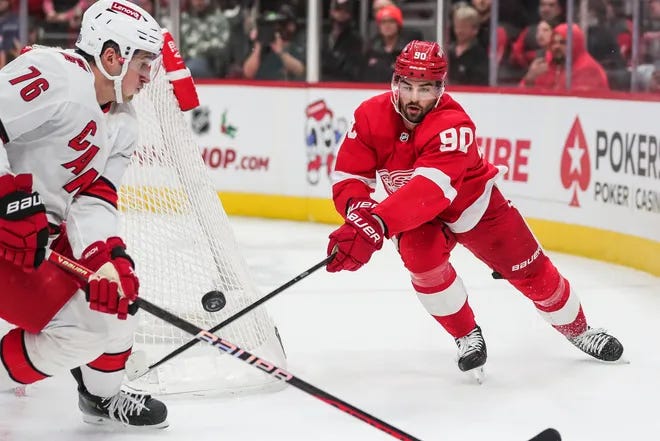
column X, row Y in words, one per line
column 392, row 181
column 575, row 162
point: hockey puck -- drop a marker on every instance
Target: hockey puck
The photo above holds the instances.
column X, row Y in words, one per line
column 213, row 301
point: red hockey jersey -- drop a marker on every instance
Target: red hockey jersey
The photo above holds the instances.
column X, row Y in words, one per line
column 433, row 170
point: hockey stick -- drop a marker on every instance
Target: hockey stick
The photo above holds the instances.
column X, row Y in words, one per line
column 548, row 434
column 240, row 313
column 237, row 352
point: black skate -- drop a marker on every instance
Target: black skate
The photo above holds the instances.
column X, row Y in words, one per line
column 599, row 344
column 133, row 410
column 472, row 353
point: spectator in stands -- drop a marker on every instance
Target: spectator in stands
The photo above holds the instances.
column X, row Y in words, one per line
column 241, row 18
column 650, row 47
column 278, row 48
column 514, row 16
column 377, row 5
column 341, row 48
column 204, row 39
column 468, row 59
column 544, row 31
column 483, row 7
column 621, row 26
column 602, row 43
column 586, row 73
column 407, row 34
column 524, row 49
column 543, row 38
column 384, row 46
column 8, row 31
column 62, row 21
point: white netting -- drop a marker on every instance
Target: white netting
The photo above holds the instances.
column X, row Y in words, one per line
column 179, row 236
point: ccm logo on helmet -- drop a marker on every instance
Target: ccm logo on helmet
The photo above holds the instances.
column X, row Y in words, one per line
column 126, row 10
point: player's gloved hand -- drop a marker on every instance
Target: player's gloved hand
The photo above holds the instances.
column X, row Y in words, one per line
column 354, row 242
column 23, row 223
column 355, row 203
column 115, row 284
column 178, row 74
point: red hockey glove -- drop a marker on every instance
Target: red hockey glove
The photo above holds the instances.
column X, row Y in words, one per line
column 355, row 241
column 23, row 223
column 114, row 284
column 355, row 203
column 178, row 74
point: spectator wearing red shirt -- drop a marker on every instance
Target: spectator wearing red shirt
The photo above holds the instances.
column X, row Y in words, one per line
column 523, row 50
column 586, row 73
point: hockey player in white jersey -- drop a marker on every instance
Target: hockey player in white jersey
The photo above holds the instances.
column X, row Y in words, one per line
column 61, row 162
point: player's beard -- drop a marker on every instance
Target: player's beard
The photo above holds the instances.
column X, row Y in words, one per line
column 415, row 112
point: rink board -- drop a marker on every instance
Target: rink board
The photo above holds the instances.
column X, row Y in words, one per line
column 585, row 171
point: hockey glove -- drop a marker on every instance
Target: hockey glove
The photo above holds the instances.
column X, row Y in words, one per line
column 361, row 235
column 178, row 74
column 23, row 223
column 355, row 203
column 115, row 284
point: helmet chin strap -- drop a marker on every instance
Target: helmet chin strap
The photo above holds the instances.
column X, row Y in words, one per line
column 116, row 79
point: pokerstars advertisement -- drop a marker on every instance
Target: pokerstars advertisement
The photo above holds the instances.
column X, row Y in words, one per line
column 583, row 161
column 588, row 162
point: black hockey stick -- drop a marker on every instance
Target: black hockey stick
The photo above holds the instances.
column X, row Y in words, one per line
column 548, row 434
column 244, row 311
column 243, row 355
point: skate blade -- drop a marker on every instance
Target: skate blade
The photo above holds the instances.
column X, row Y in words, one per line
column 113, row 425
column 477, row 374
column 622, row 360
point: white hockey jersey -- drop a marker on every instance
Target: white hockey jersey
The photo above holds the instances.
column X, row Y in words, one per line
column 53, row 128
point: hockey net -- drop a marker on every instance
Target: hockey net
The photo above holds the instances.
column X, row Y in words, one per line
column 180, row 238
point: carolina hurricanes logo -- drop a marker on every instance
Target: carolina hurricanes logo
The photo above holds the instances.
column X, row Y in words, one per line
column 392, row 181
column 575, row 163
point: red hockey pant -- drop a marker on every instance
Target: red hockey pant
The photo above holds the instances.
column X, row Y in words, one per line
column 503, row 241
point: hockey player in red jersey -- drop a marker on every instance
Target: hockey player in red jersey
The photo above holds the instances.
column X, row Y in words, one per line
column 67, row 132
column 441, row 191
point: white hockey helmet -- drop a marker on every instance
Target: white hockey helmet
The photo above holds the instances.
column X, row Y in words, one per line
column 126, row 24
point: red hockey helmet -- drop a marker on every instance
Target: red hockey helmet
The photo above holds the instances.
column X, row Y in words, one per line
column 421, row 60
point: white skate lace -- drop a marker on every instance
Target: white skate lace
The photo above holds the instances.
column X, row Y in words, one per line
column 470, row 343
column 592, row 340
column 124, row 404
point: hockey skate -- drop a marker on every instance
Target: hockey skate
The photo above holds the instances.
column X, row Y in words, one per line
column 472, row 354
column 127, row 409
column 599, row 344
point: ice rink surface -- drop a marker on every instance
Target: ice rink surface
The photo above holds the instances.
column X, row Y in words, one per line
column 365, row 338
